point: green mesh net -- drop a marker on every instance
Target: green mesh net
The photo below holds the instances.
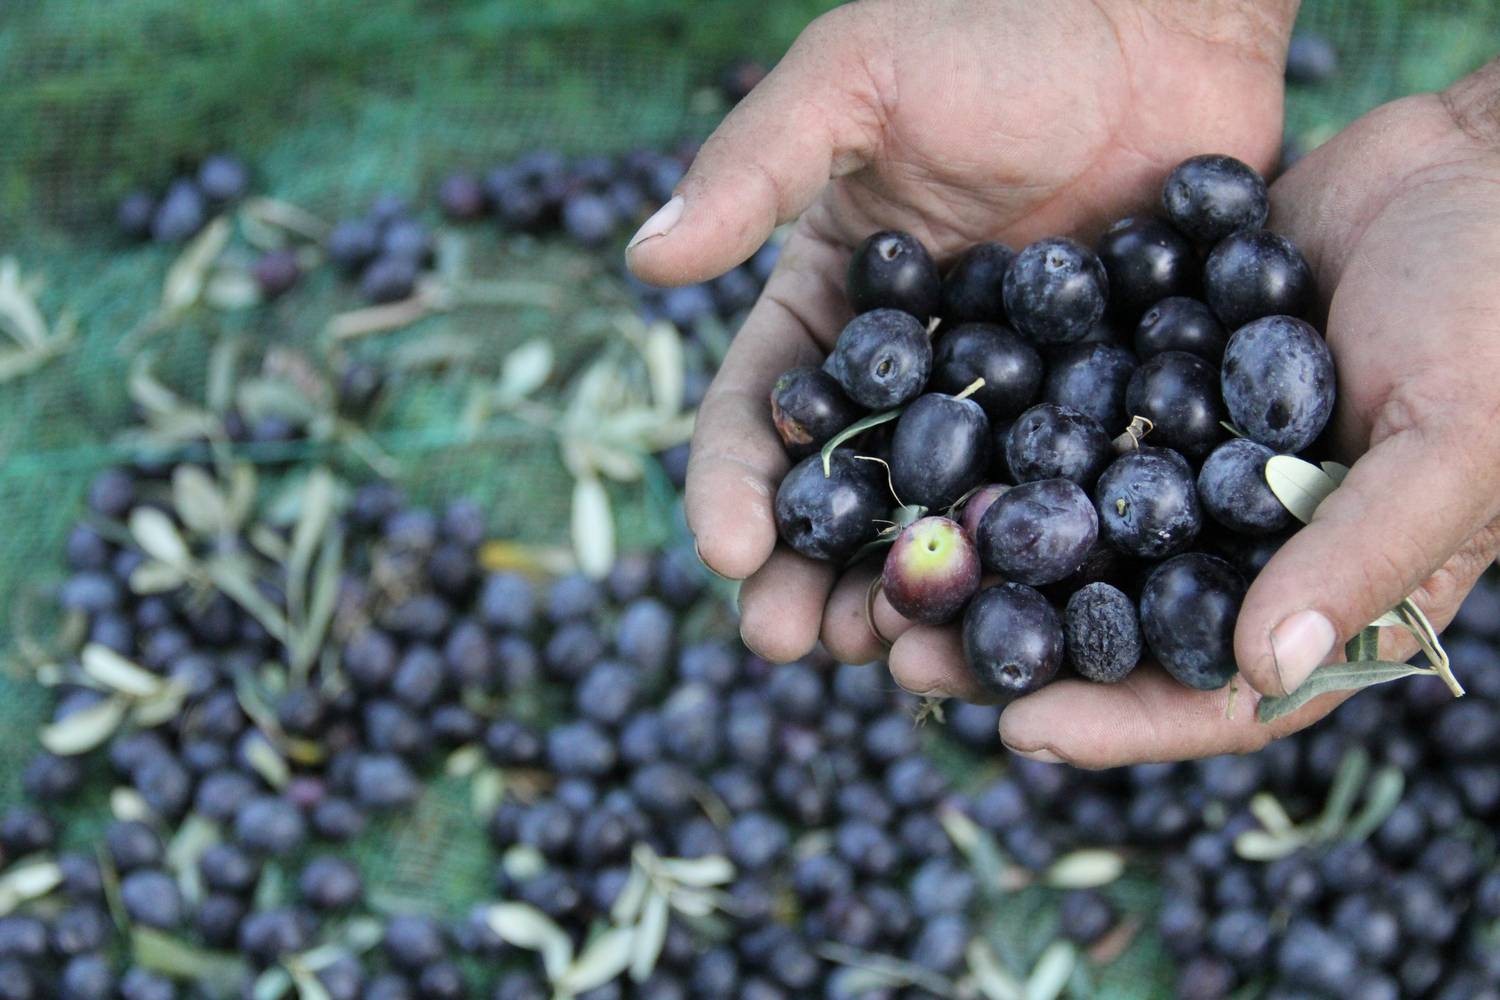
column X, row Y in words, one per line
column 332, row 101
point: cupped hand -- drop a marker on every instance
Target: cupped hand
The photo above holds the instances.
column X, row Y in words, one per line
column 958, row 122
column 1400, row 218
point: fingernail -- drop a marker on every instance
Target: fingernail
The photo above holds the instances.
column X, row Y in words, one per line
column 1299, row 645
column 1042, row 755
column 699, row 553
column 659, row 224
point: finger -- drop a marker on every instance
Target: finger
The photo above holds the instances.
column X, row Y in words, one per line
column 929, row 660
column 781, row 606
column 1148, row 717
column 811, row 117
column 737, row 460
column 847, row 634
column 1406, row 507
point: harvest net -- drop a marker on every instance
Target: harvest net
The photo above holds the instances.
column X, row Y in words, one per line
column 332, row 102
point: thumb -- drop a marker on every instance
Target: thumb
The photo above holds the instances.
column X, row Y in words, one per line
column 1405, row 508
column 811, row 117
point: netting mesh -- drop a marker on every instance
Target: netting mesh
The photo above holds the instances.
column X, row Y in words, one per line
column 335, row 101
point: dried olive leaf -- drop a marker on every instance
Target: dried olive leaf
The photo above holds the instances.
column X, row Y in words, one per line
column 1300, row 486
column 854, row 429
column 267, row 763
column 992, row 978
column 272, row 984
column 198, row 500
column 1382, row 795
column 177, row 959
column 525, row 370
column 128, row 805
column 593, row 527
column 700, row 873
column 662, row 350
column 1052, row 971
column 155, row 578
column 976, row 844
column 527, row 927
column 650, row 935
column 117, row 673
column 19, row 315
column 1259, row 845
column 1267, row 809
column 82, row 731
column 195, row 836
column 230, row 289
column 27, row 880
column 188, row 273
column 160, row 707
column 1085, row 869
column 1336, row 677
column 309, row 987
column 602, row 961
column 158, row 537
column 632, row 897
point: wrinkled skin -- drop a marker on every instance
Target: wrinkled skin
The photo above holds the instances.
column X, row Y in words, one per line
column 1099, row 102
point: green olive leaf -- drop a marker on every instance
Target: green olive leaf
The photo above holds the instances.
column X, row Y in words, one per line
column 1261, row 845
column 1364, row 646
column 527, row 927
column 1353, row 769
column 854, row 430
column 198, row 501
column 700, row 873
column 627, row 908
column 1300, row 486
column 1382, row 795
column 1336, row 677
column 28, row 880
column 177, row 959
column 1335, row 471
column 272, row 984
column 524, row 371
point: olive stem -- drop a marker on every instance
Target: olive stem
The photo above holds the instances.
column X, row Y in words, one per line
column 1130, row 438
column 971, row 388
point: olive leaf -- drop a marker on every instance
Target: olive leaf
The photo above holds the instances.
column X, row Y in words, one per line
column 627, row 907
column 160, row 707
column 853, row 430
column 177, row 959
column 28, row 880
column 128, row 805
column 83, row 730
column 1084, row 869
column 1336, row 677
column 527, row 927
column 198, row 501
column 158, row 537
column 593, row 526
column 662, row 349
column 979, row 847
column 1052, row 971
column 524, row 371
column 602, row 960
column 22, row 320
column 1300, row 486
column 309, row 986
column 1335, row 471
column 1382, row 795
column 195, row 836
column 117, row 673
column 1350, row 777
column 702, row 873
column 266, row 762
column 1364, row 646
column 188, row 274
column 650, row 936
column 271, row 984
column 992, row 978
column 885, row 971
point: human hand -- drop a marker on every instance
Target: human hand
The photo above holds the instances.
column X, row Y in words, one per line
column 958, row 122
column 1400, row 218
